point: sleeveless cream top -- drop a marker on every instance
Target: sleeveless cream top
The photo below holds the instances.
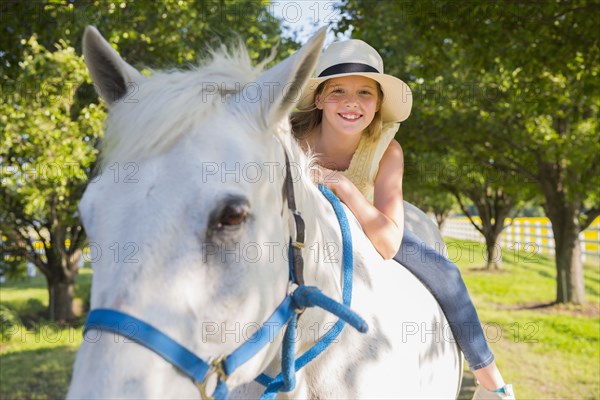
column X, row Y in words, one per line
column 365, row 161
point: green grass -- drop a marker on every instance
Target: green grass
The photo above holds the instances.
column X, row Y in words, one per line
column 547, row 352
column 36, row 374
column 36, row 356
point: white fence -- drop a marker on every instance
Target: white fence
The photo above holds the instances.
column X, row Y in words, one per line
column 536, row 233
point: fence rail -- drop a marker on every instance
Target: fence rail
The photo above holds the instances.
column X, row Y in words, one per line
column 535, row 232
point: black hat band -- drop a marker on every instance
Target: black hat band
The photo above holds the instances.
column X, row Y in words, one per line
column 347, row 68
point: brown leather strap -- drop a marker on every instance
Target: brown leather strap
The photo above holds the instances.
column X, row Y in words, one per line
column 298, row 243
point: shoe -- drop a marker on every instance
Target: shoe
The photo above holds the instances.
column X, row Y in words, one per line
column 483, row 394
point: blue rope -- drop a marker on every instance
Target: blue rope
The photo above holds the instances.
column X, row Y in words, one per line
column 261, row 337
column 346, row 243
column 274, row 387
column 310, row 296
column 221, row 392
column 305, row 296
column 288, row 355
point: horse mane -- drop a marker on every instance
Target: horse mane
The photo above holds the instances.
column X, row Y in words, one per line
column 304, row 162
column 136, row 128
column 312, row 203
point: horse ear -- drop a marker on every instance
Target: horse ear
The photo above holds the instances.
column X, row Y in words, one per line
column 283, row 84
column 112, row 76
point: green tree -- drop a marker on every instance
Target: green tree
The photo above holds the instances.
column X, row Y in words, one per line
column 495, row 197
column 514, row 83
column 445, row 180
column 47, row 153
column 422, row 176
column 51, row 119
column 169, row 33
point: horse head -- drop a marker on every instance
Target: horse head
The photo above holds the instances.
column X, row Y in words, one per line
column 184, row 229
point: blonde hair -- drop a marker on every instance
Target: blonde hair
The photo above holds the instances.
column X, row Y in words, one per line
column 304, row 121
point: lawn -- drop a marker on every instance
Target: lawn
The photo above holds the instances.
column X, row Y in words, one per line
column 546, row 351
column 36, row 356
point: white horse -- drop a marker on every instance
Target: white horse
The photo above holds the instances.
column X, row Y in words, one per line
column 190, row 225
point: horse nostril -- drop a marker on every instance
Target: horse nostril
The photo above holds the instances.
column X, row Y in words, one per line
column 233, row 214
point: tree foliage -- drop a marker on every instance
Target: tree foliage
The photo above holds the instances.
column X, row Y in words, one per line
column 423, row 174
column 510, row 85
column 51, row 119
column 164, row 34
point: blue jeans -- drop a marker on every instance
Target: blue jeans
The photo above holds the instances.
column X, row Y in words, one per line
column 444, row 281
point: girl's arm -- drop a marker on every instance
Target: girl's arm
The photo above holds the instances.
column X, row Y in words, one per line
column 382, row 222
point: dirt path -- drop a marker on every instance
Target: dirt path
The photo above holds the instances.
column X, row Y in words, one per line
column 468, row 386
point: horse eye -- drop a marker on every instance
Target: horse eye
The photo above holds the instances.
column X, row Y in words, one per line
column 228, row 216
column 233, row 214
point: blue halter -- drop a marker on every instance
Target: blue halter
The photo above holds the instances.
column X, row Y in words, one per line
column 287, row 312
column 285, row 381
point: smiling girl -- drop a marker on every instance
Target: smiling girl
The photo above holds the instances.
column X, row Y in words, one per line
column 347, row 119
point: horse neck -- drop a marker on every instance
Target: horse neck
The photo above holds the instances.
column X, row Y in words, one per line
column 322, row 252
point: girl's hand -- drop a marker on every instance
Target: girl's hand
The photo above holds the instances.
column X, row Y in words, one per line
column 334, row 180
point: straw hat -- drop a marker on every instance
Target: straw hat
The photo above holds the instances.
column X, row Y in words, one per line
column 355, row 57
